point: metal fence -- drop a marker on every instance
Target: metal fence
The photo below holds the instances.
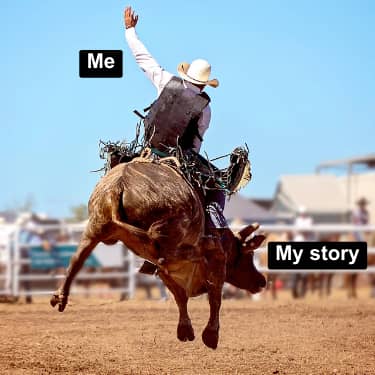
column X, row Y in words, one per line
column 21, row 276
column 6, row 259
column 17, row 272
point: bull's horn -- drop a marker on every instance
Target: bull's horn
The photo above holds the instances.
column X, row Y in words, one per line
column 253, row 244
column 247, row 231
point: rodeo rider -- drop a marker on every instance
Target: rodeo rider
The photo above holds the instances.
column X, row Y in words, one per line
column 181, row 111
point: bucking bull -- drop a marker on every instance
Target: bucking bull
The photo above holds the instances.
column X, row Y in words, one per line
column 156, row 213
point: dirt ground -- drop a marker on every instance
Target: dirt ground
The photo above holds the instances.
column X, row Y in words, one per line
column 103, row 336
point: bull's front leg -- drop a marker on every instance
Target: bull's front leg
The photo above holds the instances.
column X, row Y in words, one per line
column 85, row 247
column 184, row 329
column 216, row 268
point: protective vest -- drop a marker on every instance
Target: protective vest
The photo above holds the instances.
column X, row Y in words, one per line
column 173, row 118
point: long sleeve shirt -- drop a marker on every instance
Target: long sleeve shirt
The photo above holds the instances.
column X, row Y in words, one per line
column 160, row 77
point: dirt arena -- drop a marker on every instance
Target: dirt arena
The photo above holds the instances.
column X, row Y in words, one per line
column 103, row 336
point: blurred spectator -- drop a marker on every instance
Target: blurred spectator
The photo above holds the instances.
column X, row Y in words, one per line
column 51, row 241
column 148, row 281
column 371, row 262
column 303, row 222
column 323, row 281
column 32, row 234
column 162, row 289
column 29, row 235
column 274, row 281
column 360, row 216
column 4, row 259
column 231, row 292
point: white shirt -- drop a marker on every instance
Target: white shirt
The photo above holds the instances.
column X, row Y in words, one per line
column 159, row 77
column 304, row 223
column 4, row 249
column 360, row 216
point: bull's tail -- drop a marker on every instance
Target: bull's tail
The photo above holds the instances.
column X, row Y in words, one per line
column 136, row 239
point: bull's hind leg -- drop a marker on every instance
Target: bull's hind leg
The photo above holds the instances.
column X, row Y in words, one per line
column 85, row 247
column 184, row 329
column 216, row 260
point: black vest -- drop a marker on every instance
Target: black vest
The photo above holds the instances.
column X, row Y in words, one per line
column 173, row 117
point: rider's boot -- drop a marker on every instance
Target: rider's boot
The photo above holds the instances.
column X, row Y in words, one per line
column 216, row 225
column 148, row 268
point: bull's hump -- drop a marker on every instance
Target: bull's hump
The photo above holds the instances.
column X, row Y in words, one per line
column 160, row 186
column 157, row 177
column 112, row 179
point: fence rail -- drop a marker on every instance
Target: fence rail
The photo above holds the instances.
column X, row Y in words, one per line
column 13, row 275
column 18, row 273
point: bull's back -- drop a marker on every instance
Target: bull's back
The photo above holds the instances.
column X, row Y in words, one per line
column 155, row 191
column 148, row 191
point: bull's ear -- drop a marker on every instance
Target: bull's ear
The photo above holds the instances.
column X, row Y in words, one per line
column 253, row 243
column 247, row 231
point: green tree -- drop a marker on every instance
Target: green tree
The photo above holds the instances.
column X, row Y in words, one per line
column 78, row 213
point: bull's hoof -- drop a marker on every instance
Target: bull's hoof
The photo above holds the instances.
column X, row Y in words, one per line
column 185, row 332
column 60, row 300
column 210, row 337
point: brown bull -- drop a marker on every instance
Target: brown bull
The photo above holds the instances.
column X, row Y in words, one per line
column 151, row 208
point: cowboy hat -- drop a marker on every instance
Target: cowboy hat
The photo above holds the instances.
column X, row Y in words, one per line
column 198, row 72
column 362, row 201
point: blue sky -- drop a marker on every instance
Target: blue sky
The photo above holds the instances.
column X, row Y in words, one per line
column 297, row 83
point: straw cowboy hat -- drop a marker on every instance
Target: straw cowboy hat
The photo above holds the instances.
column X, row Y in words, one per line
column 197, row 72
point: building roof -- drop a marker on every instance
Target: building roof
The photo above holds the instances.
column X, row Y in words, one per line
column 14, row 217
column 265, row 203
column 367, row 160
column 240, row 208
column 8, row 216
column 317, row 193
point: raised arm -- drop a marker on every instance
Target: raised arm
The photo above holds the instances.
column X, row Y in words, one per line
column 158, row 76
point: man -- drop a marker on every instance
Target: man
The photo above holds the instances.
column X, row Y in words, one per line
column 303, row 222
column 361, row 215
column 195, row 77
column 181, row 114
